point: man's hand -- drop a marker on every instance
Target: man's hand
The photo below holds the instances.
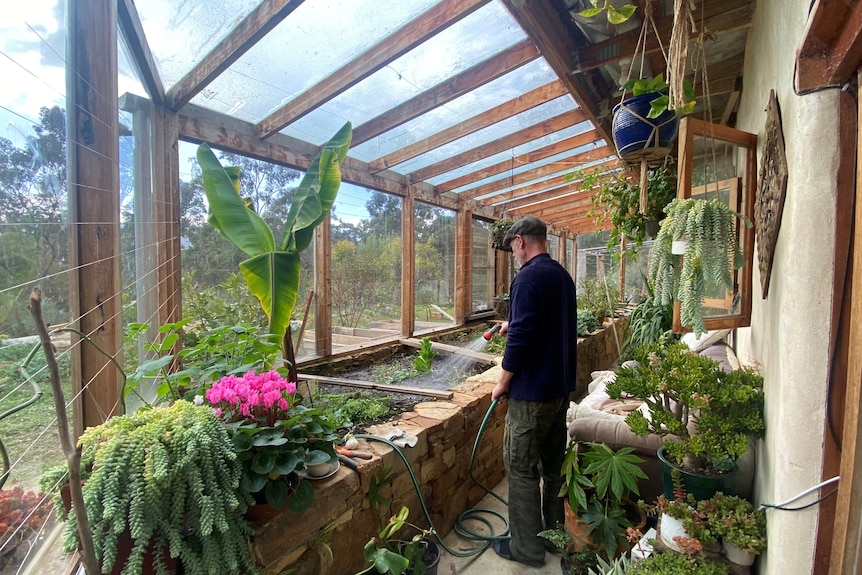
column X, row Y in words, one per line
column 501, row 390
column 504, row 328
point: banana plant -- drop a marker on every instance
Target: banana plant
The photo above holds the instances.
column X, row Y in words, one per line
column 272, row 271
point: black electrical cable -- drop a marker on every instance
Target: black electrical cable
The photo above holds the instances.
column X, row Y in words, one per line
column 806, row 506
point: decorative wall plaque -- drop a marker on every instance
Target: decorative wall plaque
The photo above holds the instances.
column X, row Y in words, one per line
column 771, row 189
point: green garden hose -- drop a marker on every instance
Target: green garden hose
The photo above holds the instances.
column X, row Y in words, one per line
column 474, row 514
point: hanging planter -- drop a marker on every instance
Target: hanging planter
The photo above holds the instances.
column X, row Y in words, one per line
column 637, row 136
column 497, row 235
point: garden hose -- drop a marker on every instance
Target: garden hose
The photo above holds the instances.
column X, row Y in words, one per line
column 474, row 514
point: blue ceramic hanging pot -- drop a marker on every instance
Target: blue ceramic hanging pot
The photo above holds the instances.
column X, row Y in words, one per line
column 638, row 137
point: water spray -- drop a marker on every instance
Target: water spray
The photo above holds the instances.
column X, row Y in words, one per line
column 490, row 333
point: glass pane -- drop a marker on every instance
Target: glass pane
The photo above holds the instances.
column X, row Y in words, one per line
column 571, row 264
column 366, row 267
column 33, row 253
column 300, row 52
column 482, row 289
column 434, row 236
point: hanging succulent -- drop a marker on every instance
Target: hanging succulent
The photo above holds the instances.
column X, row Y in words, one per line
column 708, row 227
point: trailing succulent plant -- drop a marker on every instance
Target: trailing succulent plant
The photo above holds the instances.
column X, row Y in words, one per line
column 169, row 476
column 712, row 253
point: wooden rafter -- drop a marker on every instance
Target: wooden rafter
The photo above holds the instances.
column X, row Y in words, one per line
column 569, row 163
column 267, row 15
column 562, row 195
column 136, row 40
column 467, row 81
column 551, row 125
column 570, row 143
column 543, row 25
column 531, row 99
column 378, row 56
column 832, row 47
column 527, row 190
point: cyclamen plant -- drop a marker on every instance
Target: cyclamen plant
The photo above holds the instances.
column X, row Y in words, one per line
column 274, row 435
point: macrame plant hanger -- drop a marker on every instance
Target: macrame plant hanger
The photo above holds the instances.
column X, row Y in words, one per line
column 640, row 48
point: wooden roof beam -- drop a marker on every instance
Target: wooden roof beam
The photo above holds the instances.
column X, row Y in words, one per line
column 832, row 47
column 522, row 160
column 531, row 99
column 718, row 16
column 570, row 163
column 136, row 40
column 543, row 25
column 549, row 126
column 545, row 185
column 258, row 23
column 375, row 58
column 451, row 88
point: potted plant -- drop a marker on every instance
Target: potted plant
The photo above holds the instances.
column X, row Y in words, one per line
column 740, row 525
column 164, row 482
column 677, row 564
column 497, row 232
column 712, row 252
column 596, row 486
column 587, row 322
column 572, row 562
column 617, row 201
column 22, row 514
column 274, row 435
column 418, row 555
column 705, row 415
column 645, row 125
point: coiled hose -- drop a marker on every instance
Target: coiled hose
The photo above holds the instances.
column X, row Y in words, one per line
column 475, row 514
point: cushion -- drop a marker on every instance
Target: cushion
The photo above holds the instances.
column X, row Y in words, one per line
column 723, row 354
column 698, row 344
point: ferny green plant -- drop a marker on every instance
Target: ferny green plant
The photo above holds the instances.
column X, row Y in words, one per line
column 170, row 476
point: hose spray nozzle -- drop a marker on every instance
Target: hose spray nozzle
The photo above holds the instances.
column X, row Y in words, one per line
column 490, row 333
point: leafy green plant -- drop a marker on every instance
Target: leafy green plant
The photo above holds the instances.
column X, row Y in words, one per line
column 595, row 484
column 616, row 566
column 170, row 476
column 209, row 356
column 598, row 297
column 677, row 564
column 736, row 520
column 394, row 556
column 650, row 322
column 574, row 562
column 614, row 15
column 496, row 346
column 391, row 372
column 706, row 415
column 422, row 362
column 586, row 322
column 712, row 253
column 685, row 509
column 617, row 201
column 641, row 86
column 354, row 408
column 272, row 272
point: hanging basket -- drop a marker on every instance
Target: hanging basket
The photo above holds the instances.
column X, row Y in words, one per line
column 640, row 138
column 497, row 239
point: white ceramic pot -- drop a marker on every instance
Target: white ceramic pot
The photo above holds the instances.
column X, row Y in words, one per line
column 678, row 247
column 737, row 555
column 670, row 527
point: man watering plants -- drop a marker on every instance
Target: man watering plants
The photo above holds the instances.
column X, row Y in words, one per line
column 538, row 375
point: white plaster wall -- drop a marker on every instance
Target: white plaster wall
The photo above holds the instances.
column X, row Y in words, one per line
column 790, row 330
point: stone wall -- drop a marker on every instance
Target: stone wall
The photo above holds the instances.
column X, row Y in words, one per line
column 342, row 517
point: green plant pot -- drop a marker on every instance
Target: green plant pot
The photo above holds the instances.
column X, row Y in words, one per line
column 701, row 485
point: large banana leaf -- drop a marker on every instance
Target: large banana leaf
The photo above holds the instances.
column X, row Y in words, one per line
column 316, row 193
column 273, row 275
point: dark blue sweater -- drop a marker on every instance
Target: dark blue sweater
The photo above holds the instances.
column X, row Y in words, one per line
column 542, row 340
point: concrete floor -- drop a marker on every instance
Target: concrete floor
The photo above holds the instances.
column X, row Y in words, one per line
column 488, row 562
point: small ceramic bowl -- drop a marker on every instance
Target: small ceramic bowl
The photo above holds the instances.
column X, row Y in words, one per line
column 318, row 469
